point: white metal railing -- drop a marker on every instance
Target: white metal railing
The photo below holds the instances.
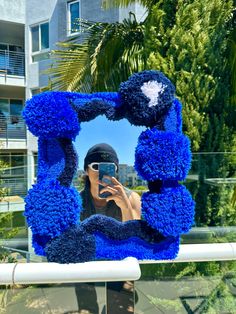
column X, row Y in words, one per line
column 12, row 127
column 35, row 273
column 14, row 186
column 102, row 271
column 12, row 63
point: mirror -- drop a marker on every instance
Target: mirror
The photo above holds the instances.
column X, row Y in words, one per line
column 117, row 145
column 162, row 158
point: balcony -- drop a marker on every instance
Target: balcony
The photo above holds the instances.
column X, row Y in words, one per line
column 12, row 129
column 188, row 284
column 12, row 68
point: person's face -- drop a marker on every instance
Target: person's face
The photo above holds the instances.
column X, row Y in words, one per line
column 93, row 176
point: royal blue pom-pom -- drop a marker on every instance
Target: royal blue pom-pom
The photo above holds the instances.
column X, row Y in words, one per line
column 162, row 155
column 50, row 209
column 50, row 115
column 171, row 212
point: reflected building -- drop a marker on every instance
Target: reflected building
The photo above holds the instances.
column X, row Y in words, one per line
column 129, row 177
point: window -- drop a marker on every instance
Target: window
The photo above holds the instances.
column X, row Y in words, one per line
column 18, row 164
column 35, row 156
column 12, row 59
column 40, row 37
column 73, row 13
column 15, row 164
column 11, row 107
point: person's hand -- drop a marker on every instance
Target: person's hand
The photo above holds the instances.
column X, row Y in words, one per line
column 130, row 206
column 117, row 191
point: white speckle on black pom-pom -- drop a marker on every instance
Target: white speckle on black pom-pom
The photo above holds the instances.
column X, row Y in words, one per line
column 153, row 90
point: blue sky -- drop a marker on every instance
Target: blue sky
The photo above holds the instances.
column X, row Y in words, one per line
column 121, row 135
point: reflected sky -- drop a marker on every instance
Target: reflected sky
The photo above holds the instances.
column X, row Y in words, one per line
column 121, row 135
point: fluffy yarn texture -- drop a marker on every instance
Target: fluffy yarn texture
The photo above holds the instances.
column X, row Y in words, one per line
column 146, row 97
column 162, row 155
column 73, row 246
column 173, row 121
column 88, row 107
column 50, row 115
column 50, row 209
column 113, row 239
column 171, row 212
column 112, row 249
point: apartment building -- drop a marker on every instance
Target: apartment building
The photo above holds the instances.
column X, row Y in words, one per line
column 129, row 177
column 29, row 30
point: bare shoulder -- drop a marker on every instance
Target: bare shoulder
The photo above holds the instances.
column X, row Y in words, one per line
column 134, row 196
column 135, row 201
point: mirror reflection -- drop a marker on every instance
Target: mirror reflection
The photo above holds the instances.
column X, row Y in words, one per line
column 106, row 179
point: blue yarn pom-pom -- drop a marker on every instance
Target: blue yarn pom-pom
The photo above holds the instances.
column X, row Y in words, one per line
column 50, row 209
column 171, row 212
column 162, row 155
column 50, row 115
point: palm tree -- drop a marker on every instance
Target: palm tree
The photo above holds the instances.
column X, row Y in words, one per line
column 107, row 55
column 185, row 39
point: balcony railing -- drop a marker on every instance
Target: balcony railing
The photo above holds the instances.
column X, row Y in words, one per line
column 12, row 63
column 15, row 186
column 12, row 127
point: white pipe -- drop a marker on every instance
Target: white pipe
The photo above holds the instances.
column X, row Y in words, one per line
column 100, row 271
column 201, row 253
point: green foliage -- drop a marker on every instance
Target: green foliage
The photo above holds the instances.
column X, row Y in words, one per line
column 109, row 54
column 108, row 4
column 193, row 43
column 139, row 188
column 192, row 53
column 5, row 227
column 203, row 287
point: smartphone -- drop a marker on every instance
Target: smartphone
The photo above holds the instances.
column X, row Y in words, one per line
column 105, row 169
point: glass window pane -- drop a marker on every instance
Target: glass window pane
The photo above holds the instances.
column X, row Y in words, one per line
column 74, row 15
column 18, row 220
column 35, row 165
column 5, row 163
column 44, row 36
column 4, row 113
column 17, row 163
column 4, row 107
column 16, row 107
column 35, row 38
column 3, row 47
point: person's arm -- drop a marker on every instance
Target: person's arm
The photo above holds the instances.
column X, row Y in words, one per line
column 130, row 206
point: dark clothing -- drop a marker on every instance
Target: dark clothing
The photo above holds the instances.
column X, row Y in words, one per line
column 110, row 209
column 118, row 299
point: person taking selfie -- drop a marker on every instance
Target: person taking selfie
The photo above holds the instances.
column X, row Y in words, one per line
column 104, row 194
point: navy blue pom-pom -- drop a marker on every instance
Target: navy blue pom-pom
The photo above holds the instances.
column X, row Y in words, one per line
column 162, row 155
column 50, row 115
column 146, row 97
column 171, row 212
column 73, row 246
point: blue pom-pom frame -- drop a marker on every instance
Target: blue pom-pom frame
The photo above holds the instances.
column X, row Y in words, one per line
column 162, row 157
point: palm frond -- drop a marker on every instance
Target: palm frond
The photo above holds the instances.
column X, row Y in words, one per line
column 108, row 4
column 108, row 55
